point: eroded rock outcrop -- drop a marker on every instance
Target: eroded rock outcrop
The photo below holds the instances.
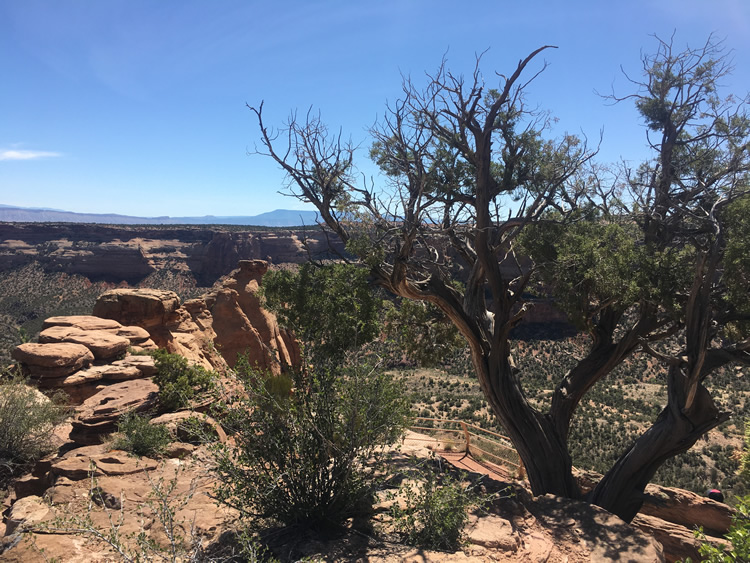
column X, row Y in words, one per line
column 242, row 326
column 98, row 415
column 213, row 330
column 103, row 345
column 79, row 354
column 670, row 515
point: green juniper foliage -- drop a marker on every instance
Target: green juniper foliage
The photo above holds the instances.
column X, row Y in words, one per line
column 422, row 331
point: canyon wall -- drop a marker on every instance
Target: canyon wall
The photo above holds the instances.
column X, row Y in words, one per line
column 129, row 254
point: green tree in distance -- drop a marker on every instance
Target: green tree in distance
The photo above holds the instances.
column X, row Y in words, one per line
column 638, row 257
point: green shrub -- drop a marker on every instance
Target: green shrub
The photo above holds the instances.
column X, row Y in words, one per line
column 139, row 437
column 435, row 511
column 179, row 381
column 195, row 430
column 308, row 446
column 26, row 421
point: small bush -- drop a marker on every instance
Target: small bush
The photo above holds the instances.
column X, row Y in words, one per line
column 26, row 421
column 179, row 381
column 195, row 430
column 435, row 511
column 139, row 437
column 308, row 446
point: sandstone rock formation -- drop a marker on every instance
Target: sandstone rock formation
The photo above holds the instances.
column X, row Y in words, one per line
column 670, row 515
column 213, row 330
column 678, row 541
column 98, row 416
column 78, row 354
column 86, row 355
column 688, row 509
column 103, row 345
column 242, row 326
column 51, row 361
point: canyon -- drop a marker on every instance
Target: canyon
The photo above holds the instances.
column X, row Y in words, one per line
column 116, row 254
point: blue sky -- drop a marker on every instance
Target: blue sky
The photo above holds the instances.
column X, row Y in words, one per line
column 138, row 106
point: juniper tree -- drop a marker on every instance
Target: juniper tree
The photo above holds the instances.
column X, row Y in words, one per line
column 471, row 174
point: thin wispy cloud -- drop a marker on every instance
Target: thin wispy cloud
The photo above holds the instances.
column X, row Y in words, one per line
column 26, row 154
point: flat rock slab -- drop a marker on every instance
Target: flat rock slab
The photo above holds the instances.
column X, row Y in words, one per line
column 26, row 511
column 120, row 463
column 493, row 532
column 103, row 344
column 113, row 463
column 75, row 468
column 99, row 414
column 84, row 322
column 145, row 364
column 605, row 536
column 81, row 377
column 60, row 359
column 131, row 367
column 688, row 509
column 117, row 399
column 678, row 542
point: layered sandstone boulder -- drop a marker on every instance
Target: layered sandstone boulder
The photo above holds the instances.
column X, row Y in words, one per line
column 138, row 337
column 167, row 324
column 679, row 542
column 670, row 515
column 78, row 354
column 104, row 345
column 688, row 509
column 98, row 416
column 82, row 354
column 146, row 308
column 52, row 360
column 83, row 322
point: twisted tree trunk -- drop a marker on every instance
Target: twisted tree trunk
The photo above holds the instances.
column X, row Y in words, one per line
column 621, row 490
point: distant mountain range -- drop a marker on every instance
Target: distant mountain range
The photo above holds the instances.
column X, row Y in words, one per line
column 277, row 218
